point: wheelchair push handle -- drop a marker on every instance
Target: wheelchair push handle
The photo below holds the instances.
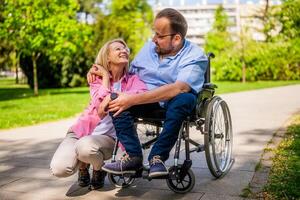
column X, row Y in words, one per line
column 210, row 55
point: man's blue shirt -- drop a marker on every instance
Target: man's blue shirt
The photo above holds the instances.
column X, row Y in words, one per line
column 188, row 65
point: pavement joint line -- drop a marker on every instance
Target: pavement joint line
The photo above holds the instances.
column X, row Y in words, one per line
column 245, row 170
column 201, row 196
column 11, row 181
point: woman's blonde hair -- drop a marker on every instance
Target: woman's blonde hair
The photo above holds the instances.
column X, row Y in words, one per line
column 102, row 57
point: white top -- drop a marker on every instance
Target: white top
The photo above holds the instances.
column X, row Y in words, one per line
column 106, row 127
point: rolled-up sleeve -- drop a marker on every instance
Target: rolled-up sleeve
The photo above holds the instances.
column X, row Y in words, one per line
column 98, row 91
column 193, row 74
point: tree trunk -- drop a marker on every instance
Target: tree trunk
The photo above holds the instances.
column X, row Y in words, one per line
column 18, row 79
column 244, row 72
column 15, row 64
column 35, row 78
column 17, row 73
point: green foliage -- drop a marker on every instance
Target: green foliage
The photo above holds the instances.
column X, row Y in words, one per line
column 289, row 17
column 221, row 20
column 218, row 39
column 128, row 19
column 275, row 59
column 47, row 32
column 89, row 7
column 284, row 177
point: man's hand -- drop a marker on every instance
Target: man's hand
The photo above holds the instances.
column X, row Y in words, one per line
column 97, row 70
column 123, row 102
column 103, row 107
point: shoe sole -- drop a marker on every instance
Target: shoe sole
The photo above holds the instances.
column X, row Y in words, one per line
column 83, row 185
column 117, row 172
column 91, row 187
column 157, row 174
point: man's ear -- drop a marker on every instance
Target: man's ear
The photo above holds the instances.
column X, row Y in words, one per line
column 177, row 39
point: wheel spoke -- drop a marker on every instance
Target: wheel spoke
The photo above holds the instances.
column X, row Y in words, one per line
column 182, row 185
column 218, row 141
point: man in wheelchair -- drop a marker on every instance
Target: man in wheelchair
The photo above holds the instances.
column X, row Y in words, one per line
column 173, row 68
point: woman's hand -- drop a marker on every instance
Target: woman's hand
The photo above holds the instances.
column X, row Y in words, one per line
column 103, row 107
column 97, row 70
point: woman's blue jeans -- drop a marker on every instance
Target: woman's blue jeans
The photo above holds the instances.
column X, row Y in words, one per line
column 177, row 110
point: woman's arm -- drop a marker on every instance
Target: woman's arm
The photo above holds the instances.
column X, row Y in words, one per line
column 98, row 70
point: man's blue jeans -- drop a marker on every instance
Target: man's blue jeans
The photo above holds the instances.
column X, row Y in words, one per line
column 177, row 109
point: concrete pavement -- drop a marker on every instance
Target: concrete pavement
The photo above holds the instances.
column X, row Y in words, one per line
column 25, row 154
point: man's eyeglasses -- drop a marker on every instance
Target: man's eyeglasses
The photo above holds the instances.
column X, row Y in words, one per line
column 162, row 36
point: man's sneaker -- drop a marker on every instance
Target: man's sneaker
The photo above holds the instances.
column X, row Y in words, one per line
column 157, row 167
column 127, row 165
column 97, row 181
column 84, row 177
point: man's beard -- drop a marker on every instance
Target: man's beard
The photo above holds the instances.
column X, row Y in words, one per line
column 162, row 52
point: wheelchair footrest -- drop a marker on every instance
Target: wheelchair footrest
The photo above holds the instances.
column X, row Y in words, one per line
column 146, row 176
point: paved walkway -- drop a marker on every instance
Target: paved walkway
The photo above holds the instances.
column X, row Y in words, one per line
column 25, row 154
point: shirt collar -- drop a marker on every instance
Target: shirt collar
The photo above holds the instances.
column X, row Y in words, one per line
column 123, row 78
column 179, row 52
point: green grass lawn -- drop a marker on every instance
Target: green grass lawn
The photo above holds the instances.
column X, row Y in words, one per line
column 284, row 179
column 228, row 87
column 19, row 107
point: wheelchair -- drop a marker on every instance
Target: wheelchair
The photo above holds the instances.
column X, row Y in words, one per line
column 211, row 118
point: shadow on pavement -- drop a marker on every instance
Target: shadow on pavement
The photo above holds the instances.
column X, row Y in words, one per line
column 24, row 168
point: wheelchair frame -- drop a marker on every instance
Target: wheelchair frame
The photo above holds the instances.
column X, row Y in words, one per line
column 212, row 118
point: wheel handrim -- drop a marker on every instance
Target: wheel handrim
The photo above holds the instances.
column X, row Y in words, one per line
column 220, row 140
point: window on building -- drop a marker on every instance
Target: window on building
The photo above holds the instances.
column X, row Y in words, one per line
column 215, row 2
column 191, row 2
column 176, row 3
column 164, row 3
column 231, row 1
column 249, row 1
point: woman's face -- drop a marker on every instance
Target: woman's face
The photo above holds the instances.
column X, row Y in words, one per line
column 118, row 53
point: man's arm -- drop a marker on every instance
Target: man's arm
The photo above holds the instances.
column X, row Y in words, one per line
column 166, row 92
column 162, row 93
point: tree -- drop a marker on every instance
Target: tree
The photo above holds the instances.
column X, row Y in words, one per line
column 219, row 39
column 128, row 19
column 43, row 27
column 289, row 17
column 89, row 8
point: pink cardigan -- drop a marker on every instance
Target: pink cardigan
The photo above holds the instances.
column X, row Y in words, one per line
column 130, row 84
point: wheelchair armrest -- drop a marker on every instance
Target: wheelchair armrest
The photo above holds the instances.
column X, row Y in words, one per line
column 209, row 86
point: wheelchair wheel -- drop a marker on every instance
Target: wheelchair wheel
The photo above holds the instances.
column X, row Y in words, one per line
column 218, row 137
column 120, row 181
column 180, row 185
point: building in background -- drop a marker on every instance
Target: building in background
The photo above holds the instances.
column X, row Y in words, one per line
column 200, row 15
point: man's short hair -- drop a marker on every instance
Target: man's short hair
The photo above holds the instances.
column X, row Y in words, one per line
column 177, row 21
